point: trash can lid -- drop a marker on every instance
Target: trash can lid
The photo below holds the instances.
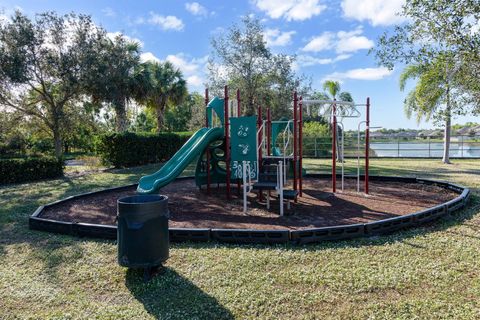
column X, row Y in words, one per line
column 138, row 199
column 142, row 207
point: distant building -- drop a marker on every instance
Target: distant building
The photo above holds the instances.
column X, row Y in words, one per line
column 430, row 133
column 476, row 131
column 378, row 134
column 469, row 131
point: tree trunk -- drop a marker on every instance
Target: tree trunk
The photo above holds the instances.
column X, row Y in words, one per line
column 250, row 110
column 57, row 138
column 160, row 118
column 120, row 116
column 446, row 138
column 447, row 133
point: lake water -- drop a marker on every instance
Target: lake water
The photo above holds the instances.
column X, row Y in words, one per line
column 433, row 149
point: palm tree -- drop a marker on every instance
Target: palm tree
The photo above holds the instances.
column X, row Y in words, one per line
column 113, row 83
column 431, row 96
column 332, row 89
column 331, row 92
column 165, row 85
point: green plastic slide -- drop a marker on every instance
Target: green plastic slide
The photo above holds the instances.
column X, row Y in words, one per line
column 174, row 167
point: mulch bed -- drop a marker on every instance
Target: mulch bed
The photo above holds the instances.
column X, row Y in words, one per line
column 192, row 208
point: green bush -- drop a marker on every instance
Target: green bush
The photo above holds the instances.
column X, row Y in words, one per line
column 41, row 145
column 29, row 169
column 133, row 149
column 13, row 146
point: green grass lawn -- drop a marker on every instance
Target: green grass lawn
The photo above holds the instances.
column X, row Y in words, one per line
column 431, row 272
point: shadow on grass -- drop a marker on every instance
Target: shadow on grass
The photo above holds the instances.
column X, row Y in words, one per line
column 49, row 251
column 171, row 296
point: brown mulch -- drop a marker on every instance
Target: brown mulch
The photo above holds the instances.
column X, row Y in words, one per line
column 192, row 208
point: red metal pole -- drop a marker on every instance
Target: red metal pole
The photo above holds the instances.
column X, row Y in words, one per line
column 295, row 101
column 334, row 148
column 300, row 147
column 208, row 150
column 227, row 142
column 269, row 132
column 259, row 138
column 259, row 148
column 367, row 145
column 239, row 109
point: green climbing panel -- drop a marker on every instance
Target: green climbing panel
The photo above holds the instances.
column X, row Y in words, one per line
column 243, row 145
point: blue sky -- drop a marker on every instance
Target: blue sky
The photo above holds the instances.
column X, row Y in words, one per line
column 331, row 39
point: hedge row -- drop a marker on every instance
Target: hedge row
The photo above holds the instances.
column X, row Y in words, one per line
column 30, row 169
column 133, row 149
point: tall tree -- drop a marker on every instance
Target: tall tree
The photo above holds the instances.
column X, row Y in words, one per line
column 164, row 86
column 241, row 58
column 432, row 95
column 438, row 30
column 244, row 55
column 44, row 64
column 115, row 81
column 183, row 117
column 440, row 37
column 197, row 104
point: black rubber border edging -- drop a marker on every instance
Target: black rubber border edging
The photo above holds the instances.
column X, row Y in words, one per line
column 341, row 232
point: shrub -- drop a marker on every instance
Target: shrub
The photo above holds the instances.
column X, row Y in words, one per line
column 132, row 149
column 317, row 141
column 29, row 169
column 12, row 146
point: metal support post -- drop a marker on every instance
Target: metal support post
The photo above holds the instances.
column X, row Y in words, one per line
column 208, row 149
column 227, row 143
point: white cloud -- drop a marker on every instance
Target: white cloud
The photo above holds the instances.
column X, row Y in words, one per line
column 290, row 9
column 109, row 12
column 196, row 9
column 377, row 12
column 275, row 37
column 113, row 35
column 165, row 22
column 307, row 61
column 352, row 41
column 343, row 56
column 320, row 43
column 148, row 56
column 193, row 69
column 179, row 61
column 342, row 42
column 195, row 81
column 361, row 74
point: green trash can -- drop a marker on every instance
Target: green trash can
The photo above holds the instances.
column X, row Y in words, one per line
column 142, row 231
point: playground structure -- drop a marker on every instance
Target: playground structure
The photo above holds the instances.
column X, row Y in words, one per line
column 263, row 155
column 257, row 154
column 234, row 149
